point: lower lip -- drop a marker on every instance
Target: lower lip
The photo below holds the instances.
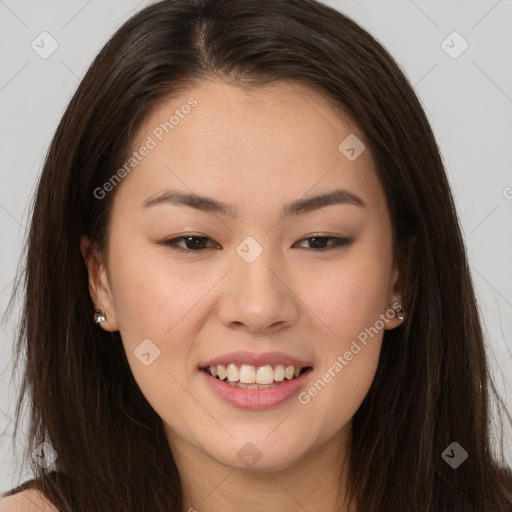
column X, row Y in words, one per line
column 256, row 399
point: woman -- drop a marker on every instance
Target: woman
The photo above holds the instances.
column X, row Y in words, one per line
column 246, row 283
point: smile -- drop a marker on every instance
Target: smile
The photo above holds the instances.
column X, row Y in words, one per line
column 249, row 376
column 282, row 383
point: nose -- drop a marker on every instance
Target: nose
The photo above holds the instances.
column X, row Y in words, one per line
column 257, row 298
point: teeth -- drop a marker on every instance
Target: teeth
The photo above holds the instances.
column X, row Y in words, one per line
column 233, row 372
column 279, row 372
column 253, row 377
column 247, row 374
column 221, row 371
column 265, row 374
column 251, row 386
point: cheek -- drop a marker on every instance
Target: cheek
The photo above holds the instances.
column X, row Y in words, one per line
column 350, row 306
column 154, row 305
column 348, row 300
column 161, row 303
column 349, row 295
column 151, row 296
column 335, row 395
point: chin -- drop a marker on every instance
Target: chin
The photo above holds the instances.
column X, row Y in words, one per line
column 259, row 453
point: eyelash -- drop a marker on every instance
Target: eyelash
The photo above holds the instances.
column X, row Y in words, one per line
column 338, row 242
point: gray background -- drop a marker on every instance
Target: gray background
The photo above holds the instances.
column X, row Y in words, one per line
column 468, row 100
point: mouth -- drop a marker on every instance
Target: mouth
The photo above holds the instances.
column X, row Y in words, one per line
column 255, row 381
column 248, row 376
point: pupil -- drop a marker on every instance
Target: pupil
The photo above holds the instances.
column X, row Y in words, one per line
column 316, row 241
column 197, row 243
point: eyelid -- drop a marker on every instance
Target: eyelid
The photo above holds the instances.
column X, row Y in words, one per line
column 172, row 242
column 339, row 241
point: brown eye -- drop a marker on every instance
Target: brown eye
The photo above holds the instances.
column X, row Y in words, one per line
column 192, row 243
column 318, row 243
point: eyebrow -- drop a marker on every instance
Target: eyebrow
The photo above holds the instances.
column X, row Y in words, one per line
column 210, row 205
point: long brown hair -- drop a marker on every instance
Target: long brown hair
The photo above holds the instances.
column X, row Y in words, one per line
column 432, row 386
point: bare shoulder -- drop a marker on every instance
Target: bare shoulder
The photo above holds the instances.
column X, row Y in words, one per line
column 30, row 500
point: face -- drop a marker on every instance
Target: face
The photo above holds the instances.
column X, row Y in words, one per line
column 257, row 278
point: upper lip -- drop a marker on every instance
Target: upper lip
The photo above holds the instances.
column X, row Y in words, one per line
column 252, row 358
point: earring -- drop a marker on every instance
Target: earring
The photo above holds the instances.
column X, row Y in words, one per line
column 402, row 310
column 99, row 316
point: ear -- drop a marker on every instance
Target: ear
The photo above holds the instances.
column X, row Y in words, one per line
column 398, row 288
column 99, row 287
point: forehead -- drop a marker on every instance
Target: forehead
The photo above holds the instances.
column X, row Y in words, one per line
column 271, row 143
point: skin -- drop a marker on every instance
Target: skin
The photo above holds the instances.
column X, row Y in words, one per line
column 255, row 150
